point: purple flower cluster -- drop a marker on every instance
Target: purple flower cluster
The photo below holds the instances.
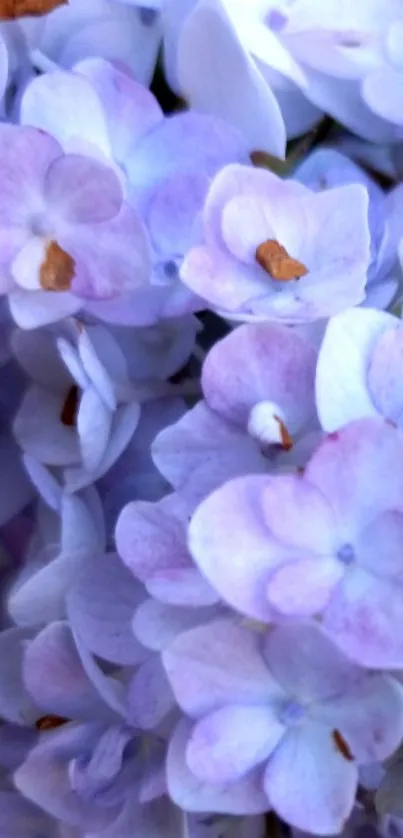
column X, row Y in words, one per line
column 201, row 418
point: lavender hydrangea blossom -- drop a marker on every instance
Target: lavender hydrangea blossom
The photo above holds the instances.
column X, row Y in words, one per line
column 201, row 441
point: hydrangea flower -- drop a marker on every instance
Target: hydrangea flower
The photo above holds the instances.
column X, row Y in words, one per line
column 274, row 250
column 288, row 705
column 67, row 236
column 165, row 163
column 315, row 56
column 359, row 368
column 80, row 412
column 257, row 415
column 325, row 542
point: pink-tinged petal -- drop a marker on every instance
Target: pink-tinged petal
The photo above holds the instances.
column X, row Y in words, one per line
column 231, row 741
column 130, row 110
column 298, row 515
column 124, row 424
column 156, row 624
column 174, row 209
column 210, row 57
column 94, row 423
column 188, row 142
column 384, row 374
column 243, row 181
column 303, row 588
column 310, row 784
column 307, row 665
column 218, row 664
column 112, row 259
column 101, row 603
column 25, row 156
column 150, row 697
column 359, row 469
column 382, row 92
column 38, row 308
column 364, row 618
column 40, row 432
column 16, row 705
column 342, row 392
column 221, row 279
column 65, row 105
column 257, row 363
column 81, row 190
column 233, row 547
column 54, row 676
column 369, row 716
column 242, row 797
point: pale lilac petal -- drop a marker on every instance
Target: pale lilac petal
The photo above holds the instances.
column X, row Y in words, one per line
column 360, row 470
column 174, row 209
column 156, row 624
column 303, row 588
column 307, row 664
column 227, row 527
column 382, row 91
column 299, row 516
column 25, row 155
column 242, row 797
column 40, row 432
column 305, row 793
column 218, row 664
column 38, row 308
column 94, row 423
column 150, row 697
column 369, row 716
column 124, row 424
column 55, row 677
column 36, row 352
column 81, row 190
column 67, row 107
column 210, row 57
column 384, row 374
column 101, row 604
column 183, row 143
column 363, row 618
column 342, row 392
column 97, row 371
column 229, row 742
column 256, row 363
column 112, row 259
column 130, row 110
column 203, row 449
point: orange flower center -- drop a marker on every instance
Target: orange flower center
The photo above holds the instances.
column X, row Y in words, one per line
column 57, row 271
column 274, row 259
column 10, row 9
